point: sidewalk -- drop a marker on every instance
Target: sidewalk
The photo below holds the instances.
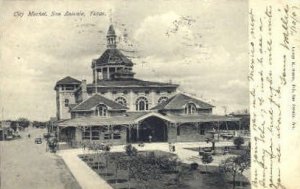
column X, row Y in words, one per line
column 88, row 179
column 85, row 176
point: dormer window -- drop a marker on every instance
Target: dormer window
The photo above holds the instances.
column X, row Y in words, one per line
column 190, row 108
column 162, row 99
column 121, row 100
column 101, row 110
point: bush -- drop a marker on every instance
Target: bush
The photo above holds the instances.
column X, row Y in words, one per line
column 194, row 166
column 130, row 150
column 238, row 142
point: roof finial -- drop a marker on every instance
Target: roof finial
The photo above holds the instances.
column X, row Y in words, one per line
column 110, row 16
column 111, row 34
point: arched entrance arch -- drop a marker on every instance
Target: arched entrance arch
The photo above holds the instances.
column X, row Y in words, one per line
column 151, row 126
column 67, row 134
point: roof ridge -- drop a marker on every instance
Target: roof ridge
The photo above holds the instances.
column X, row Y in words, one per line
column 84, row 100
column 97, row 99
column 195, row 97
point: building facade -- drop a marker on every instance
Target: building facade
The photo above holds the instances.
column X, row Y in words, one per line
column 119, row 108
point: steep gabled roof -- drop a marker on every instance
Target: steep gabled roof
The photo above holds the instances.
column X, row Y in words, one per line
column 113, row 56
column 95, row 100
column 179, row 101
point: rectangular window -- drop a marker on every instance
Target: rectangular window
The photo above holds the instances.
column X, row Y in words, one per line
column 107, row 136
column 202, row 132
column 86, row 135
column 66, row 102
column 95, row 135
column 69, row 87
column 117, row 136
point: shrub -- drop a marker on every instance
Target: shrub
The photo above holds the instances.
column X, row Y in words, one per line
column 194, row 166
column 238, row 142
column 130, row 150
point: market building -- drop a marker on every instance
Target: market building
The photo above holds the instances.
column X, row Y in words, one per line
column 118, row 108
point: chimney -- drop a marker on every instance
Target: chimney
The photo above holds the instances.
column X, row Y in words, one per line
column 84, row 90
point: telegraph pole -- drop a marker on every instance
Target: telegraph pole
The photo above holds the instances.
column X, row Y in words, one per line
column 1, row 147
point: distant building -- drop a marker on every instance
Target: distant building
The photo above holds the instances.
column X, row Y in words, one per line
column 5, row 130
column 119, row 108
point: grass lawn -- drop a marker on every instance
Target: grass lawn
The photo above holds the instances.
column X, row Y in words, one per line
column 182, row 176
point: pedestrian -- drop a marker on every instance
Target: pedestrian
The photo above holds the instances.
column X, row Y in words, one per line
column 150, row 138
column 28, row 135
column 170, row 146
column 173, row 148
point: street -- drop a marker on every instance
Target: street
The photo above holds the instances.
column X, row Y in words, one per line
column 26, row 165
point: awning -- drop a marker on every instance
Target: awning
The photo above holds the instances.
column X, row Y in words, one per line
column 131, row 118
column 201, row 118
column 127, row 119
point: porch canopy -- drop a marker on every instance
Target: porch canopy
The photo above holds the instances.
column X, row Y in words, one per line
column 133, row 118
column 201, row 118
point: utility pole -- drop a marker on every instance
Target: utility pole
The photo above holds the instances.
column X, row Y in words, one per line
column 1, row 147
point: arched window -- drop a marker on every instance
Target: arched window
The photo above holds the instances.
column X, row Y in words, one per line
column 101, row 110
column 141, row 104
column 66, row 102
column 190, row 108
column 162, row 99
column 121, row 100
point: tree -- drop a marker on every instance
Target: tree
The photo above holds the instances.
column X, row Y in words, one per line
column 23, row 122
column 235, row 165
column 206, row 159
column 238, row 142
column 52, row 143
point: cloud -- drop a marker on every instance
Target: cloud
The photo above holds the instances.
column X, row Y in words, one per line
column 207, row 57
column 165, row 35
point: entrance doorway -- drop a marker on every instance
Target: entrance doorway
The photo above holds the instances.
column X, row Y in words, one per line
column 151, row 126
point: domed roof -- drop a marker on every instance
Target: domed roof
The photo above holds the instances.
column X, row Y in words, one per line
column 113, row 56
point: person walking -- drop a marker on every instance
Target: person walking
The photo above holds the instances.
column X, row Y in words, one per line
column 150, row 138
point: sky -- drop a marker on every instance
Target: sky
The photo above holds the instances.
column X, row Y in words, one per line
column 201, row 45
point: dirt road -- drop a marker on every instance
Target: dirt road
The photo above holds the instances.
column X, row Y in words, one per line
column 26, row 165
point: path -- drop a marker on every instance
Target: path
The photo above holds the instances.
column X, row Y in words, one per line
column 26, row 165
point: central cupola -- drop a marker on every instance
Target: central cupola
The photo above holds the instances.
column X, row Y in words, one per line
column 111, row 38
column 112, row 64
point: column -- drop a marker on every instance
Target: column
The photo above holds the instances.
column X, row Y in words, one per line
column 90, row 134
column 137, row 132
column 218, row 130
column 129, row 133
column 108, row 74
